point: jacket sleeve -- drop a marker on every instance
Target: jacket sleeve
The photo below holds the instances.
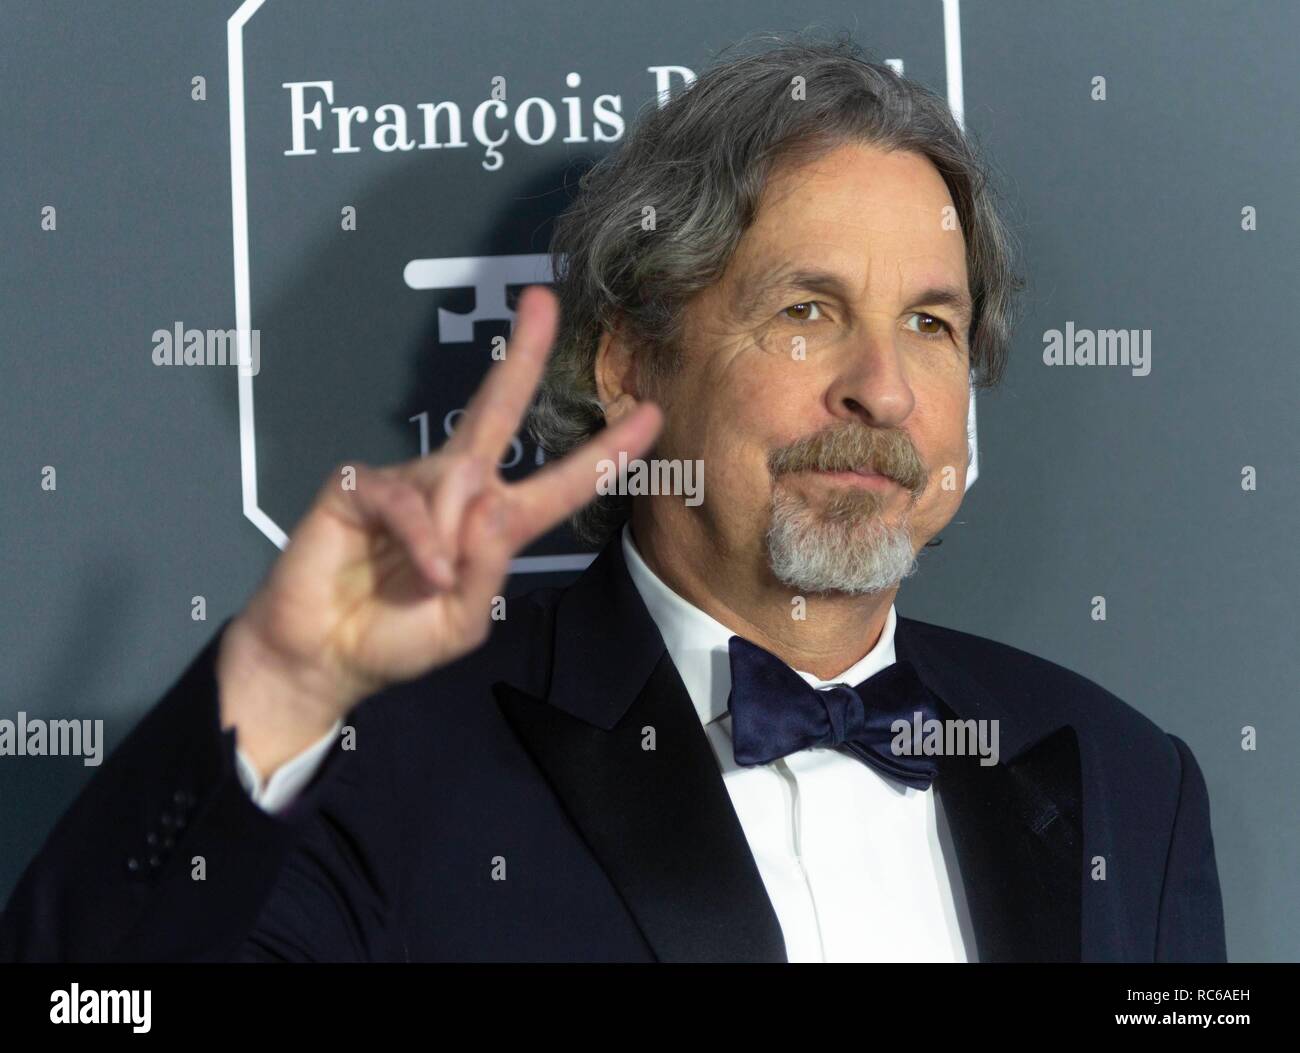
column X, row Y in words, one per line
column 1191, row 905
column 165, row 857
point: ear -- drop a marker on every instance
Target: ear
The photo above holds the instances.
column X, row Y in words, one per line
column 617, row 381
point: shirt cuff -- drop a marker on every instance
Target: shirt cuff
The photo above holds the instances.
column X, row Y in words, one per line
column 287, row 781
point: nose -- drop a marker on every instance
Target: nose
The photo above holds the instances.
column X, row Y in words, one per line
column 871, row 385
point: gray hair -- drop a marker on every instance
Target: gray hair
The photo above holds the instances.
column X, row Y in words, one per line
column 703, row 161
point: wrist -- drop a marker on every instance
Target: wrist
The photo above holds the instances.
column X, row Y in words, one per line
column 277, row 708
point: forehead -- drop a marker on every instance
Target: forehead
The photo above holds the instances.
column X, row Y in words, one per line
column 884, row 221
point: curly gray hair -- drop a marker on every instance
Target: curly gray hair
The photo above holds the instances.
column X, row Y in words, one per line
column 703, row 161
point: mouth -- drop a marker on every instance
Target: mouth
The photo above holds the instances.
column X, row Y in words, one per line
column 861, row 478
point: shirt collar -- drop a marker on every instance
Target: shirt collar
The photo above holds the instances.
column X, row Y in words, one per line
column 698, row 643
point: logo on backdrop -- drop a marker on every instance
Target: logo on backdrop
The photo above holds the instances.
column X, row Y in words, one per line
column 395, row 127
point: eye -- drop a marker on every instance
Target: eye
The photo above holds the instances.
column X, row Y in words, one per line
column 943, row 328
column 805, row 310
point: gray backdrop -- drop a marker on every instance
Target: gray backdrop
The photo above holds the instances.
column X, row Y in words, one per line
column 1092, row 481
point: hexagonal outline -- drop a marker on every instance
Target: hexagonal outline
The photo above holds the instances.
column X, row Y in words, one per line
column 243, row 311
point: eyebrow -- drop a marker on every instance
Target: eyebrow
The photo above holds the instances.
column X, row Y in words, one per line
column 815, row 279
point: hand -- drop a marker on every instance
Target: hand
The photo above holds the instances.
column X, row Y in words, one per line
column 387, row 581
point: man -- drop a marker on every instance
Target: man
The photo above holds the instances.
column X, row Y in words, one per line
column 789, row 276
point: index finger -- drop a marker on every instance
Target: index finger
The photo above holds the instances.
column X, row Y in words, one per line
column 495, row 412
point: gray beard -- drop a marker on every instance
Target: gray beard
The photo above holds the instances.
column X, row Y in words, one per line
column 850, row 550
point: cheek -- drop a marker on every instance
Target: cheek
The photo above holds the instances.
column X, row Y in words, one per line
column 947, row 454
column 718, row 424
column 953, row 457
column 951, row 402
column 943, row 499
column 739, row 433
column 734, row 411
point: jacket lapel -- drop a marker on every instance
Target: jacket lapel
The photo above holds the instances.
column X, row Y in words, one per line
column 621, row 745
column 1016, row 825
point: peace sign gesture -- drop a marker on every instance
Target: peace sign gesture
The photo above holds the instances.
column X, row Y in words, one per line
column 385, row 581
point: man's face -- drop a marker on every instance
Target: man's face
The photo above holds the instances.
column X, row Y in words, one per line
column 824, row 380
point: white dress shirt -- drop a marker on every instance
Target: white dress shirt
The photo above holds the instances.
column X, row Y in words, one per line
column 858, row 867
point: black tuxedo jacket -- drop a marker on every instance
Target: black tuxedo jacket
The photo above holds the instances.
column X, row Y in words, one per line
column 504, row 808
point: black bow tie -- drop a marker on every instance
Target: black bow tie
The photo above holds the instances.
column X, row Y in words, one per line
column 775, row 712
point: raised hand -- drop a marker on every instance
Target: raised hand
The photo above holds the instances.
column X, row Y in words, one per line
column 386, row 581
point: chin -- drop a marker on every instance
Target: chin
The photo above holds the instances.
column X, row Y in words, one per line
column 833, row 551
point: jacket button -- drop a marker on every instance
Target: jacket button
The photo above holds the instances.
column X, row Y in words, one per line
column 150, row 839
column 133, row 864
column 168, row 842
column 154, row 861
column 166, row 819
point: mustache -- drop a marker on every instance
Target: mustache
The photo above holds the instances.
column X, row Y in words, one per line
column 855, row 448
